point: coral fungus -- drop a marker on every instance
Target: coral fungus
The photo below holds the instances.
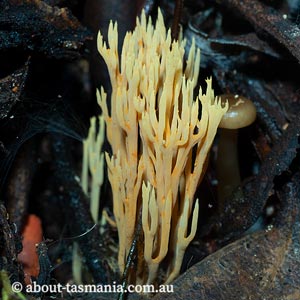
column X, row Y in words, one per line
column 159, row 143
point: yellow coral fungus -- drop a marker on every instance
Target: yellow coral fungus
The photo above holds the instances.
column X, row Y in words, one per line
column 93, row 165
column 159, row 144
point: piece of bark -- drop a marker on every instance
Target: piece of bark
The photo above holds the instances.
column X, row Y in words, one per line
column 19, row 182
column 10, row 90
column 10, row 246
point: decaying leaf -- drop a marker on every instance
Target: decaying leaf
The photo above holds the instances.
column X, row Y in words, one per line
column 34, row 25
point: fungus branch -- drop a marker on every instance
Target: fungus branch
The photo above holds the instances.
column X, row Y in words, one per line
column 93, row 163
column 92, row 167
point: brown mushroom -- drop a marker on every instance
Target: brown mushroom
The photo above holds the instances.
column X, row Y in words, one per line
column 241, row 113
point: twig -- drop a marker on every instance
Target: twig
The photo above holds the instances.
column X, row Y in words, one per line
column 176, row 20
column 131, row 256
